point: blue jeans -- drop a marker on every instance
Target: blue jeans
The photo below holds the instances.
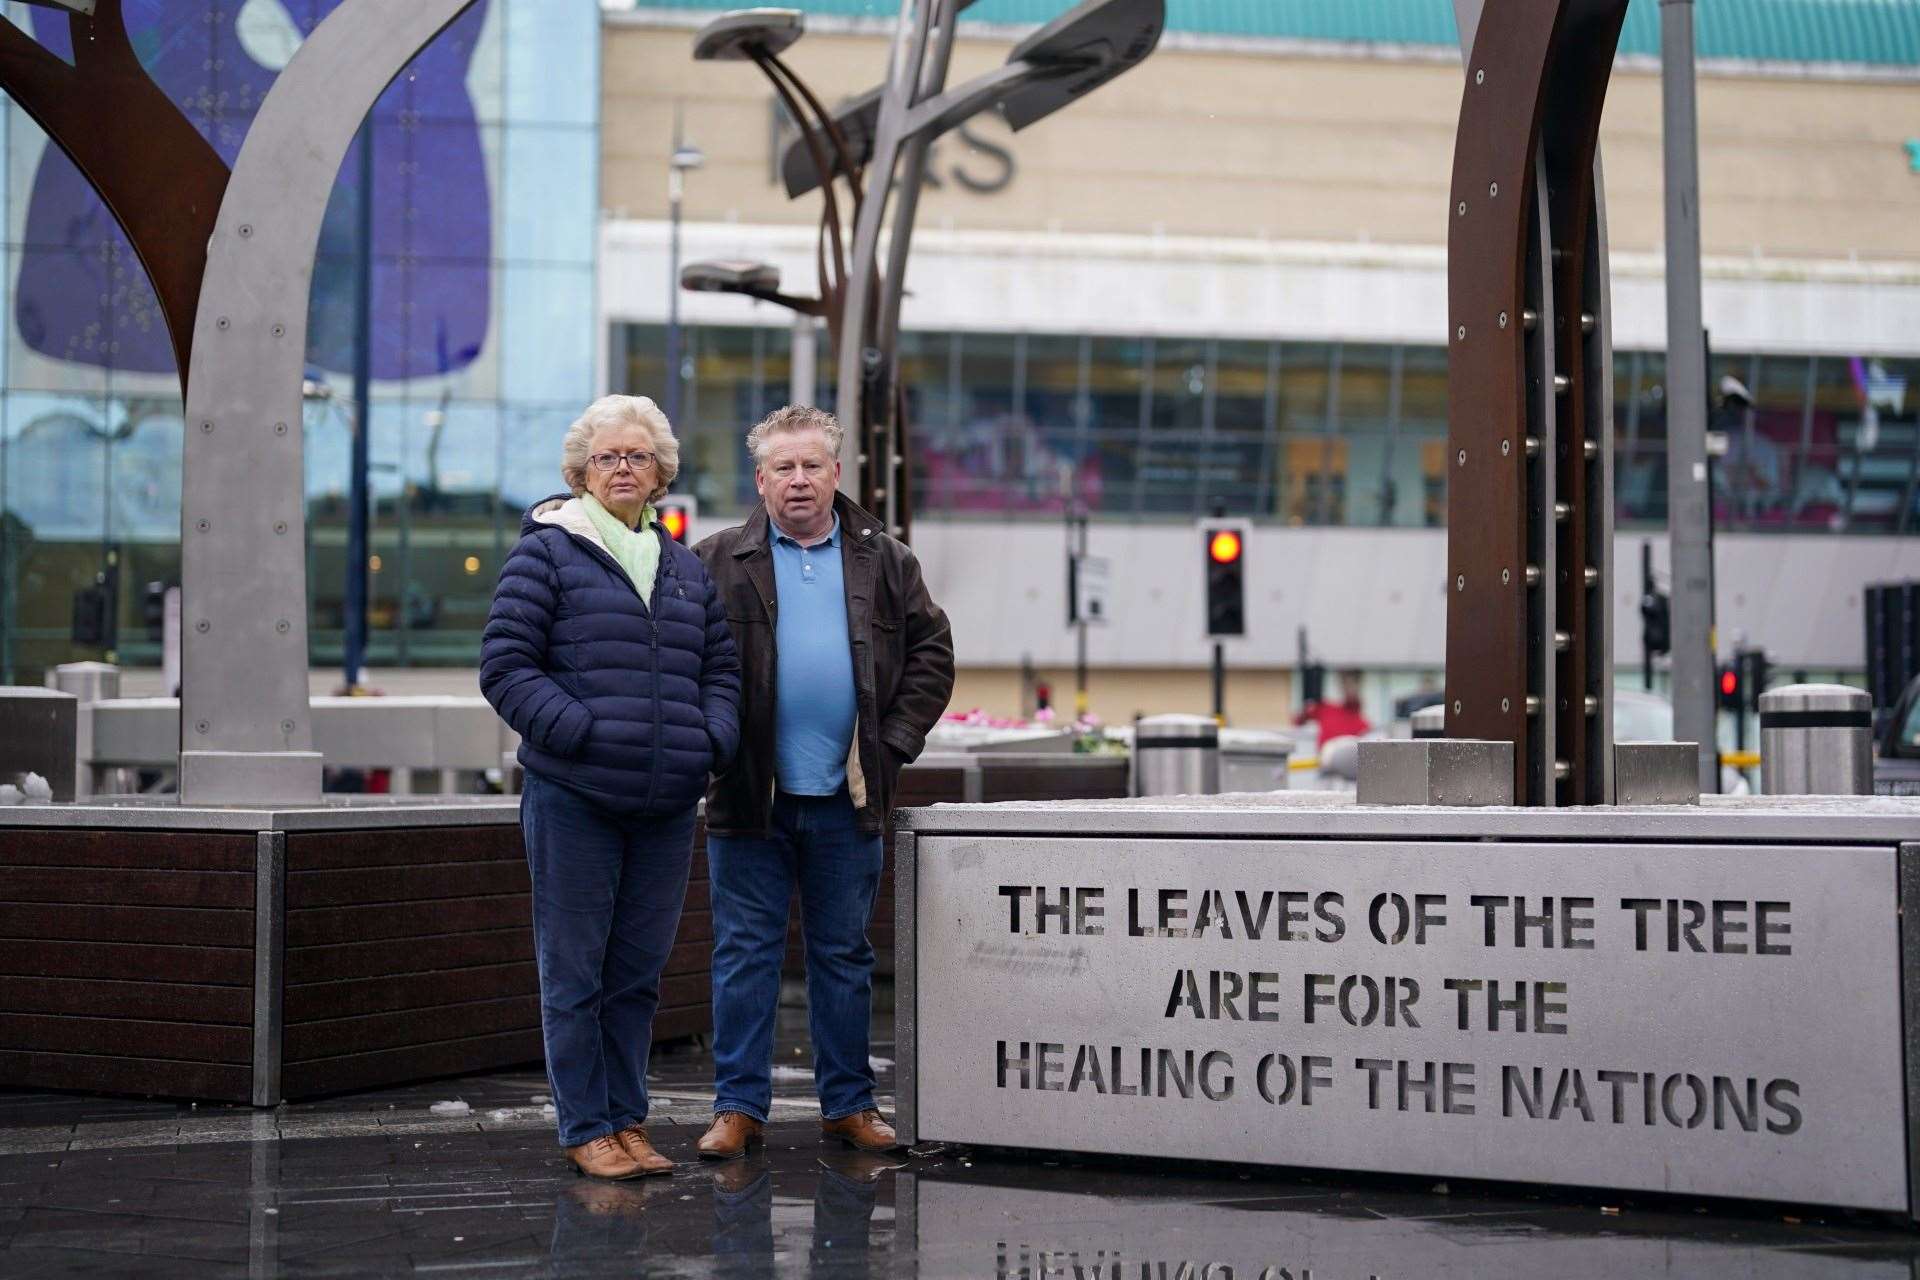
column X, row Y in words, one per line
column 814, row 846
column 607, row 893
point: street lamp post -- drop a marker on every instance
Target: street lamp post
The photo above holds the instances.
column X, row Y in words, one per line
column 878, row 143
column 685, row 156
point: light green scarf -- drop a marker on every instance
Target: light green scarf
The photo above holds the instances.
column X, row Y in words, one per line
column 635, row 550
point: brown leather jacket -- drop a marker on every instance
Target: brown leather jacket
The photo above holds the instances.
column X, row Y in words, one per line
column 902, row 663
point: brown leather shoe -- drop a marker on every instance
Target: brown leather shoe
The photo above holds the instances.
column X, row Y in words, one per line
column 863, row 1130
column 727, row 1137
column 634, row 1141
column 604, row 1157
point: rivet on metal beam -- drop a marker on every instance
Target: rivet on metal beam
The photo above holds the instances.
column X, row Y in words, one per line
column 1460, row 583
column 1586, row 322
column 1505, row 705
column 1529, row 319
column 1533, row 575
column 1503, row 319
column 1592, row 576
column 1462, row 210
column 1480, row 77
column 1560, row 384
column 1462, row 457
column 1506, row 577
column 1533, row 705
column 1506, row 447
column 1493, row 188
column 1561, row 640
column 1561, row 511
column 1533, row 446
column 1461, row 333
column 1562, row 771
column 1590, row 704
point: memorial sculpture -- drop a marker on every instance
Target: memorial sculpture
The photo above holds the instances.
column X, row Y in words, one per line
column 231, row 258
column 878, row 144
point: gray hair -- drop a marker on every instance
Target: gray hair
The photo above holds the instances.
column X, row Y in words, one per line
column 620, row 411
column 794, row 417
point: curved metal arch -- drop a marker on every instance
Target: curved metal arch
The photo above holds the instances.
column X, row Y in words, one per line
column 246, row 734
column 1529, row 435
column 159, row 178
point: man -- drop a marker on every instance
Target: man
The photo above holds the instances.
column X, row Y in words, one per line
column 846, row 663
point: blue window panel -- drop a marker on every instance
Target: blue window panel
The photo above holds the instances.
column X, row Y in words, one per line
column 552, row 61
column 546, row 351
column 549, row 179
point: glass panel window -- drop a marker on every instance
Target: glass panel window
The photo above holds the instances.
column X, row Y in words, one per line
column 1116, row 369
column 1419, row 471
column 1237, row 450
column 1058, row 464
column 1309, row 456
column 1366, row 408
column 1640, row 476
column 1169, row 475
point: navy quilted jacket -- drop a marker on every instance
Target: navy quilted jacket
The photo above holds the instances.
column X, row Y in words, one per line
column 631, row 705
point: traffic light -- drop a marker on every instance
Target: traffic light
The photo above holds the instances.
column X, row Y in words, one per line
column 1656, row 622
column 1728, row 687
column 1752, row 667
column 676, row 519
column 1225, row 546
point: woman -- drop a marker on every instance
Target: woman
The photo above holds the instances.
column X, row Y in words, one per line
column 607, row 651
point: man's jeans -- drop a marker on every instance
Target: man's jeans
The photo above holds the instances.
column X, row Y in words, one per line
column 607, row 892
column 815, row 847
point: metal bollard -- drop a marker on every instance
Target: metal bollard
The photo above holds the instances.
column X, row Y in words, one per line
column 1429, row 722
column 1816, row 740
column 1176, row 755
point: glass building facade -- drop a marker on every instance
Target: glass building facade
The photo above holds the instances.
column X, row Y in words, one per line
column 1298, row 433
column 484, row 200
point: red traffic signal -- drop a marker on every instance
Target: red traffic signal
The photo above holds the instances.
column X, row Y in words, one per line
column 1224, row 546
column 1729, row 682
column 675, row 520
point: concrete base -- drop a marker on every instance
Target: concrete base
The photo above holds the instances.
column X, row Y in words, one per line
column 1656, row 773
column 249, row 777
column 1444, row 771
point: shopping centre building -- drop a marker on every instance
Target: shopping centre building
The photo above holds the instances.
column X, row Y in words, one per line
column 1222, row 278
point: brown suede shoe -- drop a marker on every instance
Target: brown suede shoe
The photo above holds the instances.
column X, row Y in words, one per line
column 634, row 1141
column 604, row 1157
column 727, row 1137
column 863, row 1130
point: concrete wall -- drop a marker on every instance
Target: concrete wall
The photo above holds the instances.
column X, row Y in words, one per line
column 1256, row 140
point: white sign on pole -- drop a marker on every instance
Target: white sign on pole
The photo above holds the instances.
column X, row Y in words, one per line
column 1091, row 577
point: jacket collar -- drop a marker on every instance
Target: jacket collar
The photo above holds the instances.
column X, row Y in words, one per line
column 570, row 514
column 857, row 527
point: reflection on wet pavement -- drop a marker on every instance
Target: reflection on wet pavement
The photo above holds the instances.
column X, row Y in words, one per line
column 378, row 1184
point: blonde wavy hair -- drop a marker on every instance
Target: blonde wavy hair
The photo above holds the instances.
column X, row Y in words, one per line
column 620, row 411
column 793, row 417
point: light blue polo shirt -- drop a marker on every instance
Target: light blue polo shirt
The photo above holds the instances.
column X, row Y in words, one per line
column 814, row 703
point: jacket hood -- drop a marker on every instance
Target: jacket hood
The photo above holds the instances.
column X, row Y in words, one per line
column 562, row 511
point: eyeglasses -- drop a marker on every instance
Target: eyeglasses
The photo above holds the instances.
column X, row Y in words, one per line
column 638, row 460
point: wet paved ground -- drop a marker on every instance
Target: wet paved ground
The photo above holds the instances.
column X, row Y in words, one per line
column 377, row 1184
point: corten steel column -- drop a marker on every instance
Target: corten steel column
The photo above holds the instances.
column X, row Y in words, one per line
column 1688, row 494
column 160, row 179
column 245, row 726
column 1529, row 419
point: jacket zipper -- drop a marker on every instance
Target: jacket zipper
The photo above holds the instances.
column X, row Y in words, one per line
column 652, row 611
column 653, row 627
